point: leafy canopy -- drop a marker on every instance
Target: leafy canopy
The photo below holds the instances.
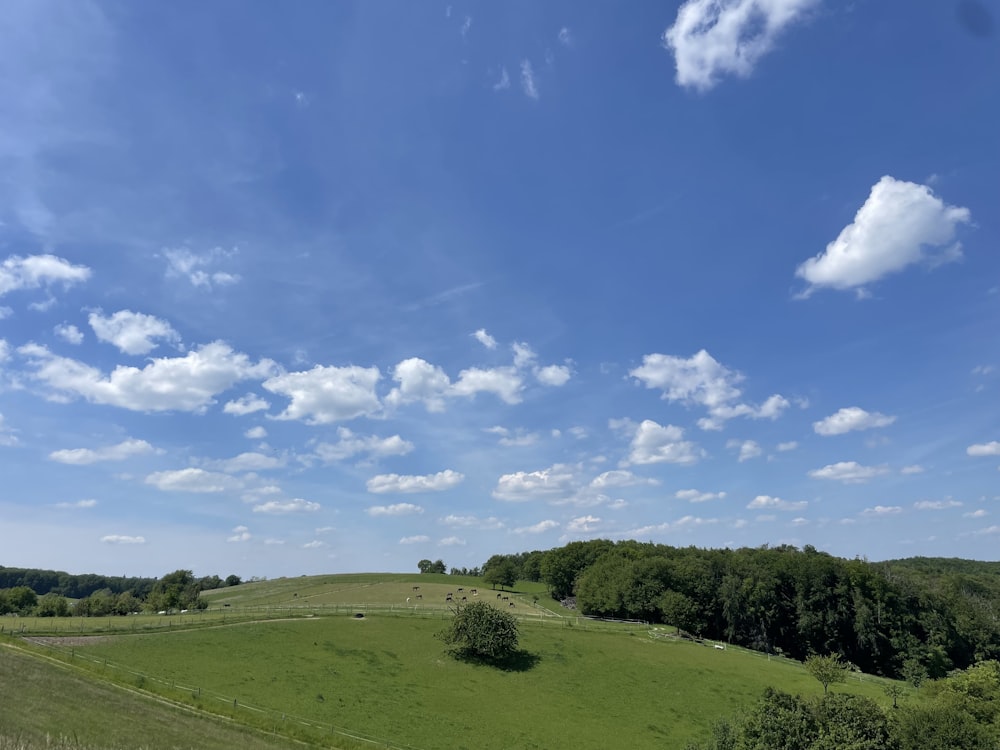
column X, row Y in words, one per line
column 482, row 631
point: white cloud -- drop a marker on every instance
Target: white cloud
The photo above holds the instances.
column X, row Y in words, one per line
column 183, row 263
column 244, row 405
column 256, row 433
column 417, row 539
column 43, row 306
column 314, row 544
column 654, row 443
column 474, row 522
column 556, row 482
column 419, row 380
column 936, row 504
column 482, row 336
column 240, row 534
column 132, row 332
column 882, row 510
column 327, row 394
column 849, row 419
column 914, row 469
column 186, row 383
column 554, row 375
column 37, row 271
column 694, row 496
column 899, row 225
column 978, row 513
column 799, row 521
column 524, row 356
column 350, row 444
column 518, row 438
column 5, row 312
column 789, row 446
column 502, row 84
column 90, row 503
column 452, row 541
column 620, row 478
column 849, row 472
column 69, row 333
column 246, row 462
column 398, row 509
column 565, row 37
column 528, row 85
column 748, row 449
column 121, row 539
column 192, row 480
column 4, row 350
column 270, row 542
column 296, row 505
column 987, row 530
column 7, row 436
column 702, row 380
column 504, row 382
column 400, row 483
column 583, row 524
column 984, row 449
column 120, row 452
column 539, row 528
column 775, row 503
column 714, row 38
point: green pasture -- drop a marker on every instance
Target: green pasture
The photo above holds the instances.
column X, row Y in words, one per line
column 46, row 705
column 385, row 677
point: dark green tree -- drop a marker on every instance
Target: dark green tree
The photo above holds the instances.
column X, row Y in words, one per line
column 480, row 630
column 52, row 605
column 502, row 573
column 233, row 580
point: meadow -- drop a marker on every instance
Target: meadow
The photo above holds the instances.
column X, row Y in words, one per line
column 344, row 661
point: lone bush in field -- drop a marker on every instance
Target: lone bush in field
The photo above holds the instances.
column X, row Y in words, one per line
column 482, row 631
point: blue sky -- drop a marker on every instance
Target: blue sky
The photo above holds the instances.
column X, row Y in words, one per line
column 340, row 286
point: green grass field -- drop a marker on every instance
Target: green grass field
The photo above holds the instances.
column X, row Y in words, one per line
column 315, row 671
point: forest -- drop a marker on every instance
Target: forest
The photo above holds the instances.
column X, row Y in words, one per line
column 912, row 617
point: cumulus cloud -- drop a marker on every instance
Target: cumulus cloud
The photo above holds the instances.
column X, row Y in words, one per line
column 695, row 496
column 416, row 539
column 556, row 482
column 419, row 380
column 69, row 333
column 296, row 505
column 703, row 381
column 452, row 541
column 936, row 504
column 244, row 405
column 849, row 419
column 850, row 472
column 89, row 503
column 539, row 528
column 246, row 462
column 482, row 336
column 132, row 332
column 503, row 382
column 517, row 438
column 349, row 445
column 327, row 394
column 314, row 544
column 748, row 449
column 900, row 224
column 984, row 449
column 714, row 38
column 978, row 513
column 654, row 443
column 120, row 452
column 882, row 510
column 256, row 433
column 503, row 83
column 200, row 270
column 775, row 503
column 553, row 375
column 121, row 539
column 399, row 509
column 187, row 383
column 193, row 480
column 39, row 271
column 565, row 37
column 914, row 469
column 583, row 524
column 789, row 446
column 620, row 478
column 240, row 534
column 486, row 524
column 401, row 483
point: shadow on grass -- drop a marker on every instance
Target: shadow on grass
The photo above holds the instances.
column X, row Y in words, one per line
column 518, row 661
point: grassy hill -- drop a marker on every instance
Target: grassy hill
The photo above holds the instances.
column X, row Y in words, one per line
column 317, row 671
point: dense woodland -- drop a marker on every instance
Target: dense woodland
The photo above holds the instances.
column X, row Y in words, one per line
column 920, row 616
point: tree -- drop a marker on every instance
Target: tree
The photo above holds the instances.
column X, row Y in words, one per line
column 827, row 669
column 233, row 580
column 481, row 631
column 894, row 691
column 52, row 605
column 426, row 566
column 503, row 572
column 22, row 599
column 914, row 672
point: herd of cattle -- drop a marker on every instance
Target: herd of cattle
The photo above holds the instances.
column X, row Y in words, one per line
column 450, row 596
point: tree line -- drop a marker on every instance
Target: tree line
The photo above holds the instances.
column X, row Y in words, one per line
column 175, row 591
column 902, row 617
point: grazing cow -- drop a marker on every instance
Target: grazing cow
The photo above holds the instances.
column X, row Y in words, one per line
column 461, row 589
column 506, row 598
column 475, row 592
column 512, row 604
column 416, row 588
column 448, row 598
column 420, row 596
column 498, row 596
column 465, row 599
